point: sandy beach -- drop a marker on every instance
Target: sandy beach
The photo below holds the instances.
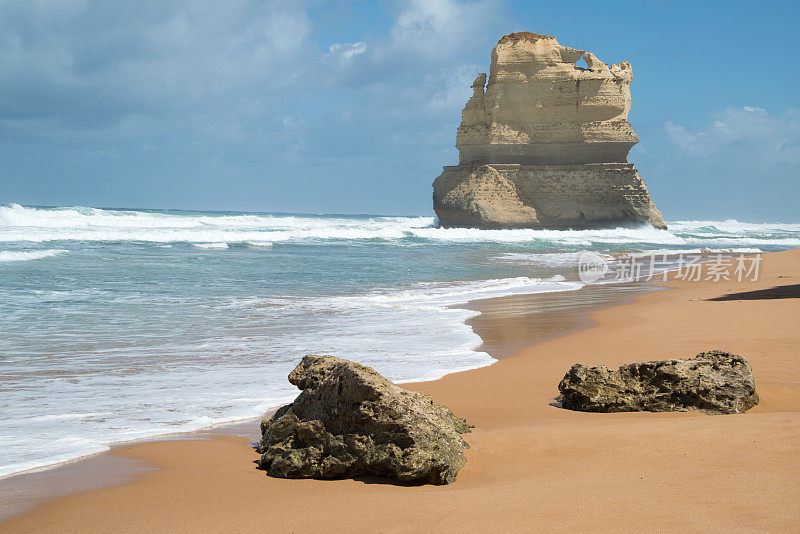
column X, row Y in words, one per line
column 532, row 465
column 465, row 229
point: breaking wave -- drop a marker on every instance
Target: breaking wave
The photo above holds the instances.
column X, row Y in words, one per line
column 169, row 321
column 25, row 255
column 234, row 371
column 20, row 224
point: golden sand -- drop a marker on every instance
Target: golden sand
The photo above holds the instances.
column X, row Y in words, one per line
column 532, row 465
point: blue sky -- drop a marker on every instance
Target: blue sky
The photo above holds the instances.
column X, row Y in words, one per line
column 352, row 106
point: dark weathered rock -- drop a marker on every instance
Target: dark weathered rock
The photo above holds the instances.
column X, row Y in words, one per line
column 350, row 421
column 713, row 382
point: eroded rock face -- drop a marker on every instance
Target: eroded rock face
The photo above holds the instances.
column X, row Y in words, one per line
column 543, row 196
column 540, row 107
column 350, row 421
column 713, row 382
column 537, row 120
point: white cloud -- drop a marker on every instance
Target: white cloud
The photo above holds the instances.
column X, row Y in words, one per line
column 419, row 63
column 438, row 27
column 195, row 77
column 289, row 121
column 451, row 91
column 746, row 132
column 684, row 140
column 91, row 68
column 346, row 51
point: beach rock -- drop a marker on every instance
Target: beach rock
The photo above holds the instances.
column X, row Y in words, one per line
column 544, row 142
column 713, row 382
column 350, row 421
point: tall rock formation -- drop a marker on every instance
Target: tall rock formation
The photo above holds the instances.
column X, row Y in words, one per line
column 545, row 144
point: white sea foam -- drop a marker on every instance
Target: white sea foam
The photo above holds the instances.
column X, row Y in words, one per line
column 693, row 251
column 25, row 255
column 544, row 259
column 212, row 246
column 24, row 224
column 571, row 259
column 645, row 234
column 460, row 292
column 258, row 244
column 21, row 224
column 732, row 226
column 131, row 340
column 67, row 416
column 407, row 334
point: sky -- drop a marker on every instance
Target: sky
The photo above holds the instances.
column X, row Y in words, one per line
column 352, row 106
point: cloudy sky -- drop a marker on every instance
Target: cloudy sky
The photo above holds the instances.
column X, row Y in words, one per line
column 351, row 106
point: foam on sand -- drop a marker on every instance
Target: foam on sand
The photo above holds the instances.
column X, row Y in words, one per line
column 408, row 334
column 162, row 321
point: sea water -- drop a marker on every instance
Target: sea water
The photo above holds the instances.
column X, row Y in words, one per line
column 123, row 324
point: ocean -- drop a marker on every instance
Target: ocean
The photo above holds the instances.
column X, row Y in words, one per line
column 125, row 324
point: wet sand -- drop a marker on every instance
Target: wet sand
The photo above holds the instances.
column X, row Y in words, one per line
column 532, row 465
column 509, row 324
column 505, row 325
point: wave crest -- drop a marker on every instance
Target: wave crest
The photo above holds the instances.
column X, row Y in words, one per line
column 25, row 255
column 19, row 224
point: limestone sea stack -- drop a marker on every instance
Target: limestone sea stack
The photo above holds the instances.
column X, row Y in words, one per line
column 544, row 144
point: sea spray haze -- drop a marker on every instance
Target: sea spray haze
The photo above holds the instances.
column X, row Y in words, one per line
column 121, row 324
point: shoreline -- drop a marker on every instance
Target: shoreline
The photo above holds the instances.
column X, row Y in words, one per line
column 114, row 470
column 554, row 468
column 213, row 427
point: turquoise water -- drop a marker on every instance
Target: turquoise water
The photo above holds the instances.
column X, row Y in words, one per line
column 123, row 324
